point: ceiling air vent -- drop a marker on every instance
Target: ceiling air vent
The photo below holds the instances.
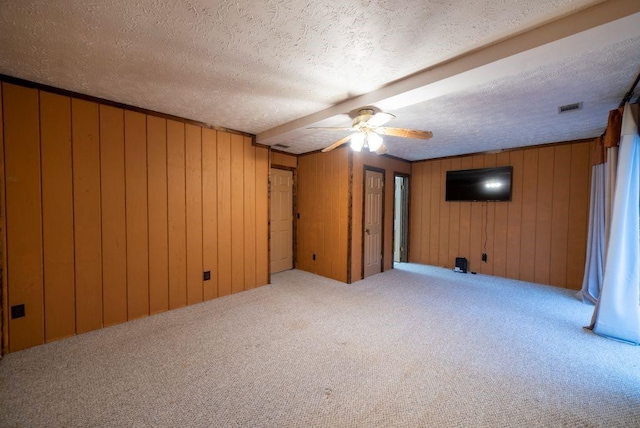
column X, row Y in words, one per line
column 570, row 107
column 281, row 146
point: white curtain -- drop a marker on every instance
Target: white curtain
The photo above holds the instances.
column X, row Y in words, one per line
column 611, row 167
column 594, row 264
column 603, row 184
column 617, row 314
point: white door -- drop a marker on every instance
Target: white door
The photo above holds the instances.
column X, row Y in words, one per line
column 281, row 220
column 372, row 223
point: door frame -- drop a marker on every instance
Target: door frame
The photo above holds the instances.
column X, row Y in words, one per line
column 407, row 178
column 294, row 217
column 364, row 186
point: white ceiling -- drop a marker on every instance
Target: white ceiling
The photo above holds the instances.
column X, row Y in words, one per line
column 275, row 67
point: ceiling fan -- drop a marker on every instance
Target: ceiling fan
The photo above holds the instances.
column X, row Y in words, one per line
column 367, row 131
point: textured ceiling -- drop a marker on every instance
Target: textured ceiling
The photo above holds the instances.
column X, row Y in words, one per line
column 514, row 111
column 252, row 66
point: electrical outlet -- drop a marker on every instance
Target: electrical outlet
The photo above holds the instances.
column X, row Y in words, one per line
column 484, row 257
column 207, row 275
column 17, row 311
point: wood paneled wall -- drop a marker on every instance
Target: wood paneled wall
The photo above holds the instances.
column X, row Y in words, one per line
column 283, row 159
column 540, row 236
column 113, row 215
column 323, row 206
column 323, row 203
column 390, row 166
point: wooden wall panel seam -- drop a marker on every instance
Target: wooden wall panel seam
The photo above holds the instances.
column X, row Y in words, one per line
column 4, row 298
column 44, row 309
column 560, row 217
column 146, row 139
column 210, row 210
column 579, row 198
column 126, row 225
column 186, row 218
column 176, row 177
column 166, row 138
column 571, row 196
column 553, row 180
column 263, row 269
column 73, row 204
column 157, row 214
column 39, row 110
column 568, row 249
column 87, row 170
column 544, row 200
column 114, row 218
column 244, row 213
column 249, row 181
column 269, row 166
column 535, row 202
column 57, row 216
column 350, row 219
column 223, row 207
column 193, row 165
column 145, row 206
column 202, row 216
column 237, row 214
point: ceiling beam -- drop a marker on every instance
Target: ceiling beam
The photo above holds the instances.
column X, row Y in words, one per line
column 422, row 85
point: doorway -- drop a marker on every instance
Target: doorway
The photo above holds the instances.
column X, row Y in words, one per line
column 281, row 220
column 373, row 221
column 400, row 218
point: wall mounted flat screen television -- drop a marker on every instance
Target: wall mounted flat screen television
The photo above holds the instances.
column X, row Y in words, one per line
column 484, row 184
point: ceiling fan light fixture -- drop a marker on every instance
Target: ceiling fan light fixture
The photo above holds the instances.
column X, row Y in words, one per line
column 357, row 141
column 382, row 149
column 375, row 141
column 367, row 132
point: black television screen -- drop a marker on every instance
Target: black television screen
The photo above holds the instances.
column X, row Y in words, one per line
column 484, row 184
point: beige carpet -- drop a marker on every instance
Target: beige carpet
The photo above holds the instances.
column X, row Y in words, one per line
column 416, row 346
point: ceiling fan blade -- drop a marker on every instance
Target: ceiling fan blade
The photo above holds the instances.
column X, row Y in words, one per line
column 379, row 119
column 337, row 144
column 405, row 133
column 332, row 128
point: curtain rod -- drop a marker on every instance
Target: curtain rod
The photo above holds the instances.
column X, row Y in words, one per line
column 628, row 95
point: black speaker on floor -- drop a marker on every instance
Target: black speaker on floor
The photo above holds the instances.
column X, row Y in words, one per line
column 461, row 264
